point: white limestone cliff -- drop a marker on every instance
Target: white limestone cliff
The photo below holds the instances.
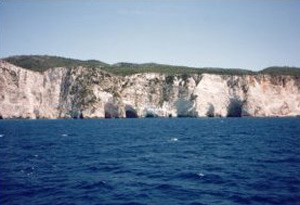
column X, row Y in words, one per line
column 91, row 93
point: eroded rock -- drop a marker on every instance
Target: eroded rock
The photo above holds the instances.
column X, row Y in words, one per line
column 81, row 92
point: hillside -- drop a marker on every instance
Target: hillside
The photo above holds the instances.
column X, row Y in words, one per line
column 276, row 70
column 127, row 69
column 41, row 63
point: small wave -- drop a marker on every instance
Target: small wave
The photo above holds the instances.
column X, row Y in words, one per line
column 200, row 174
column 174, row 139
column 115, row 169
column 69, row 135
column 1, row 135
column 190, row 175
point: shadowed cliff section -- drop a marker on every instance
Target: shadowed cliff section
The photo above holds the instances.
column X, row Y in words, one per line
column 235, row 108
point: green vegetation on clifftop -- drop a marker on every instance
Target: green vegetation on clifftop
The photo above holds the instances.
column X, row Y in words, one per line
column 276, row 70
column 127, row 69
column 41, row 63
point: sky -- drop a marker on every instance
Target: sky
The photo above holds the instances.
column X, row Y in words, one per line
column 198, row 33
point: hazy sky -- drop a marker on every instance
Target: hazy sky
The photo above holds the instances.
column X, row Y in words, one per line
column 216, row 33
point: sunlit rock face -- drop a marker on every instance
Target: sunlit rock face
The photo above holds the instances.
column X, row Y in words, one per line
column 219, row 95
column 27, row 94
column 92, row 93
column 273, row 96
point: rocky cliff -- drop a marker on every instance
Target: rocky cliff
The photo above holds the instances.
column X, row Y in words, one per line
column 81, row 92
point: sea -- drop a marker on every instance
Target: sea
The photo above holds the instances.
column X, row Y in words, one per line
column 150, row 161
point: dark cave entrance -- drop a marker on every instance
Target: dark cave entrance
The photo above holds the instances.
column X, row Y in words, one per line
column 211, row 111
column 235, row 108
column 111, row 110
column 131, row 114
column 81, row 116
column 150, row 115
column 107, row 115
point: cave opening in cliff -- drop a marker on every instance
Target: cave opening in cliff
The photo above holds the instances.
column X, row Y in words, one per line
column 235, row 108
column 107, row 115
column 130, row 112
column 81, row 116
column 211, row 111
column 111, row 110
column 75, row 113
column 150, row 115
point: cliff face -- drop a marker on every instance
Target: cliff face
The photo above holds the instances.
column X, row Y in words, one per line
column 88, row 93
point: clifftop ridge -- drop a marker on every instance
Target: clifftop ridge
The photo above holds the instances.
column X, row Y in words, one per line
column 42, row 63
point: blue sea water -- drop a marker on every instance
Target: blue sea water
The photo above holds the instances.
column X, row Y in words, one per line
column 150, row 161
